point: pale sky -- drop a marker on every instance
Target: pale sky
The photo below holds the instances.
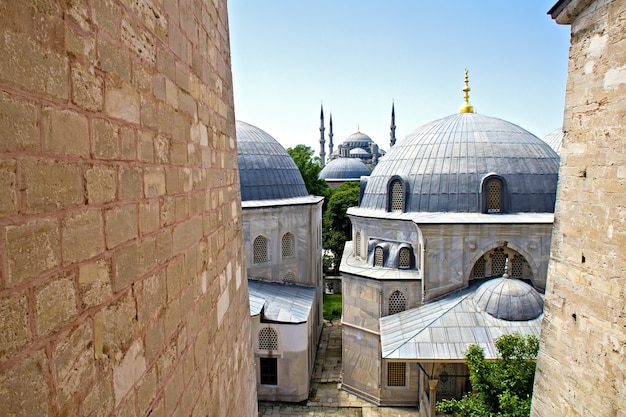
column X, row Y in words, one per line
column 357, row 56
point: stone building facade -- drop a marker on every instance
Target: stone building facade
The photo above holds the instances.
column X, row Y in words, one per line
column 123, row 286
column 581, row 369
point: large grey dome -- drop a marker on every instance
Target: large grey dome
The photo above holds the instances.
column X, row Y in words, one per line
column 509, row 299
column 443, row 165
column 266, row 170
column 555, row 139
column 344, row 169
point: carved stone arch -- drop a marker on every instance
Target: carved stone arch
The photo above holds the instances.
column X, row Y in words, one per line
column 483, row 250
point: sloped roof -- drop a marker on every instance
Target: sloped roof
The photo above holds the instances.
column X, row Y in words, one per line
column 442, row 330
column 281, row 303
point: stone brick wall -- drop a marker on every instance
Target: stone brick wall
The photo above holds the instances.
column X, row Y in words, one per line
column 122, row 283
column 581, row 367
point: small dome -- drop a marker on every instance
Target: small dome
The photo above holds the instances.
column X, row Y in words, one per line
column 554, row 139
column 358, row 152
column 445, row 162
column 509, row 299
column 266, row 170
column 344, row 169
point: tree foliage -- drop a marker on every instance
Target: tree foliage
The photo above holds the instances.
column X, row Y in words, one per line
column 501, row 388
column 310, row 168
column 337, row 229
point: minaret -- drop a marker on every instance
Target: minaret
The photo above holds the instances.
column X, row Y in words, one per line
column 322, row 140
column 392, row 134
column 330, row 137
column 466, row 107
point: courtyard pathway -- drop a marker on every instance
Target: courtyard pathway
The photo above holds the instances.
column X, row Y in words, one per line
column 326, row 397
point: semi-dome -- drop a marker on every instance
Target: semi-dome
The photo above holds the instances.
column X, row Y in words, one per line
column 344, row 169
column 554, row 139
column 358, row 152
column 266, row 170
column 444, row 165
column 509, row 299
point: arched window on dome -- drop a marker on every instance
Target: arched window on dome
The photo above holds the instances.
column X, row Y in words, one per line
column 396, row 302
column 259, row 249
column 494, row 195
column 396, row 197
column 379, row 256
column 404, row 258
column 288, row 245
column 268, row 339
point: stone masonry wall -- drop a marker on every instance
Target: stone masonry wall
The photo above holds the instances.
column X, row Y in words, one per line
column 581, row 370
column 122, row 283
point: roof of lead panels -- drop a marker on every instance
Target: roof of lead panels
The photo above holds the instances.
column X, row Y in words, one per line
column 282, row 303
column 266, row 170
column 444, row 162
column 344, row 168
column 443, row 329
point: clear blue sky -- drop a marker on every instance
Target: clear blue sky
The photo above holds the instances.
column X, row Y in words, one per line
column 357, row 56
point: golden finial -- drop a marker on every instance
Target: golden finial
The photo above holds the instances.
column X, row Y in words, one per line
column 358, row 128
column 466, row 107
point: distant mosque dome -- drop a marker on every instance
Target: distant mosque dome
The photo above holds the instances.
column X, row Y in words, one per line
column 555, row 139
column 509, row 299
column 444, row 165
column 358, row 139
column 266, row 170
column 359, row 152
column 347, row 169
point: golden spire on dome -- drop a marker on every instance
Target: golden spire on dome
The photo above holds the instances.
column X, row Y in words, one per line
column 466, row 107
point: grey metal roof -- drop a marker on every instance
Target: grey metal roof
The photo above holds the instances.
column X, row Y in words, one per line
column 266, row 170
column 282, row 303
column 509, row 299
column 357, row 137
column 442, row 330
column 344, row 168
column 555, row 139
column 358, row 151
column 443, row 163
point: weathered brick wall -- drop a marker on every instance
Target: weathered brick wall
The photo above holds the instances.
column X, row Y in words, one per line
column 122, row 283
column 581, row 366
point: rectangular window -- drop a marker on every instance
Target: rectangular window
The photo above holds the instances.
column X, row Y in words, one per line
column 269, row 371
column 396, row 374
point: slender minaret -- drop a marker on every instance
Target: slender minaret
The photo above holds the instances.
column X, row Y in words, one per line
column 322, row 140
column 392, row 134
column 330, row 137
column 466, row 107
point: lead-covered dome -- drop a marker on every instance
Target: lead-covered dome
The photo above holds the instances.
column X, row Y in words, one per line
column 344, row 169
column 445, row 165
column 509, row 299
column 555, row 139
column 358, row 139
column 266, row 170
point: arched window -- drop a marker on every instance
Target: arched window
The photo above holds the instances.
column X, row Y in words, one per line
column 357, row 244
column 397, row 199
column 494, row 195
column 259, row 249
column 288, row 245
column 397, row 302
column 268, row 339
column 379, row 256
column 404, row 258
column 289, row 278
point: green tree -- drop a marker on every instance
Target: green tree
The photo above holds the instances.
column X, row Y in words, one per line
column 501, row 388
column 336, row 226
column 310, row 168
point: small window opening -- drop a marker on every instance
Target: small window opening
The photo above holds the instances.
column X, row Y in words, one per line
column 396, row 374
column 378, row 256
column 268, row 339
column 397, row 302
column 397, row 199
column 494, row 192
column 259, row 249
column 269, row 371
column 288, row 245
column 404, row 258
